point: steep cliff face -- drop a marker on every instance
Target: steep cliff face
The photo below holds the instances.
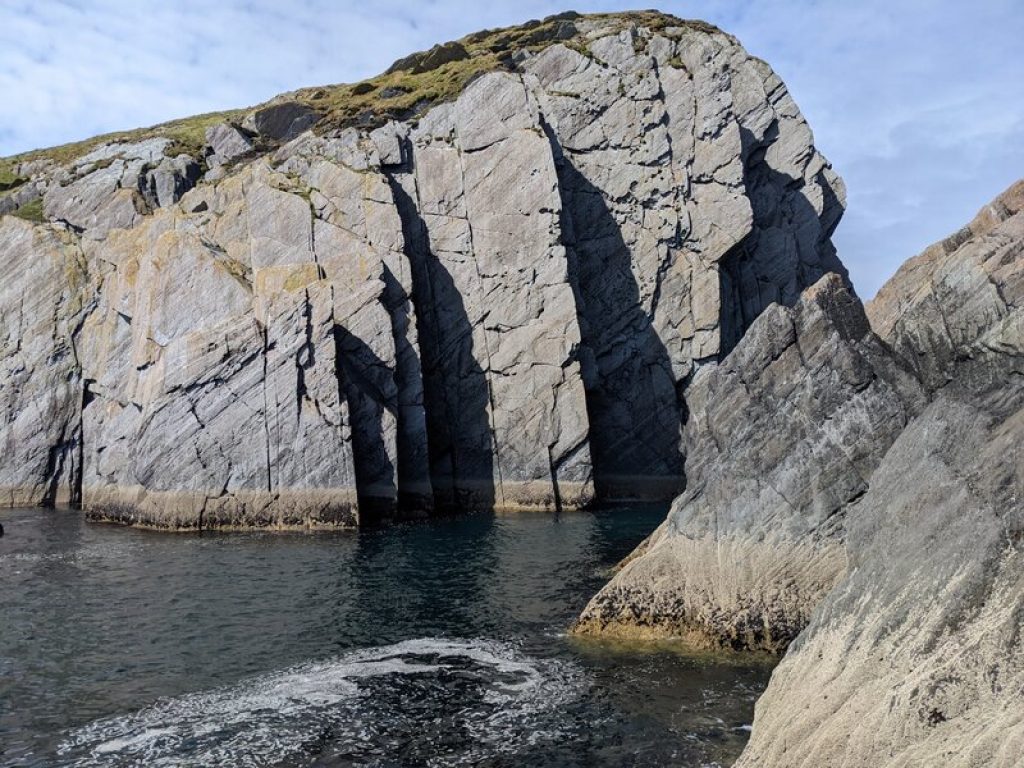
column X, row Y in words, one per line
column 782, row 439
column 43, row 287
column 367, row 300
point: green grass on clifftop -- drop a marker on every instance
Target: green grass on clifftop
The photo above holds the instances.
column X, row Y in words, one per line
column 31, row 211
column 407, row 89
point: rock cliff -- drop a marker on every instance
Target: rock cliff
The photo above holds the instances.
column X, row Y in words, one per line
column 486, row 278
column 861, row 491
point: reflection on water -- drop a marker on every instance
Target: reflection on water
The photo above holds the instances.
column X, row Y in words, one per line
column 426, row 644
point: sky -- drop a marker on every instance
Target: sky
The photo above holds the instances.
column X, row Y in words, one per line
column 918, row 105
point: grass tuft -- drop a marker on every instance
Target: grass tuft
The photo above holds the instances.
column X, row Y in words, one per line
column 31, row 211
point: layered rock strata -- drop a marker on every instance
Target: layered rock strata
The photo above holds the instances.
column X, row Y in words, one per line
column 782, row 439
column 498, row 304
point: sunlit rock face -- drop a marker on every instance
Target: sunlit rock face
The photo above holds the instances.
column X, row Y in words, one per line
column 916, row 657
column 499, row 302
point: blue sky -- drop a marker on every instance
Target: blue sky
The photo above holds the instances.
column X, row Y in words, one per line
column 919, row 105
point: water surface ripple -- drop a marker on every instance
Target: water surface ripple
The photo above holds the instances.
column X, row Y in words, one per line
column 435, row 644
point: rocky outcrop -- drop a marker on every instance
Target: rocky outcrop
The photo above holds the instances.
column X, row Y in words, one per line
column 862, row 494
column 782, row 439
column 940, row 304
column 917, row 656
column 500, row 303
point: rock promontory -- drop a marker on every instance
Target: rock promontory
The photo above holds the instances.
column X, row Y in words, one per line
column 856, row 495
column 487, row 278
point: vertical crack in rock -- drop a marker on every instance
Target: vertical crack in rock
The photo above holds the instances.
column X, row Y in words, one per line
column 266, row 404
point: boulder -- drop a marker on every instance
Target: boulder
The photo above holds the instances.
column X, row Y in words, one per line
column 283, row 121
column 226, row 142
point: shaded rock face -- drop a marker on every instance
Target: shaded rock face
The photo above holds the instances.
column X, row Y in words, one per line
column 500, row 305
column 782, row 439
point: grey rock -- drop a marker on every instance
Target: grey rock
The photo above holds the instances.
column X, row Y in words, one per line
column 226, row 142
column 941, row 302
column 283, row 121
column 165, row 184
column 782, row 438
column 500, row 375
column 16, row 198
column 671, row 181
column 917, row 656
column 425, row 61
column 44, row 294
column 869, row 498
column 115, row 185
column 542, row 265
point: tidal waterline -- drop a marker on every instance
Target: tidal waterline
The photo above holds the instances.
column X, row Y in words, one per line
column 436, row 643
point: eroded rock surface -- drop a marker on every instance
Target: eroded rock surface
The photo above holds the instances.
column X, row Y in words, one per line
column 501, row 303
column 859, row 499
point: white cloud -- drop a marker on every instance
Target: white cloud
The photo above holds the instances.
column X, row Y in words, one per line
column 919, row 105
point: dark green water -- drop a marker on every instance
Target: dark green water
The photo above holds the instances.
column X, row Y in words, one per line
column 430, row 644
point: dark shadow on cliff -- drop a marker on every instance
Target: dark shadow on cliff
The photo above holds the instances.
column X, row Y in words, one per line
column 364, row 379
column 455, row 388
column 788, row 249
column 635, row 411
column 415, row 496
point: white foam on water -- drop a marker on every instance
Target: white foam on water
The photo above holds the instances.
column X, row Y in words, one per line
column 291, row 714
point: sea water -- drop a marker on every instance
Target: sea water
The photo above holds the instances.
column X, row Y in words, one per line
column 440, row 643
